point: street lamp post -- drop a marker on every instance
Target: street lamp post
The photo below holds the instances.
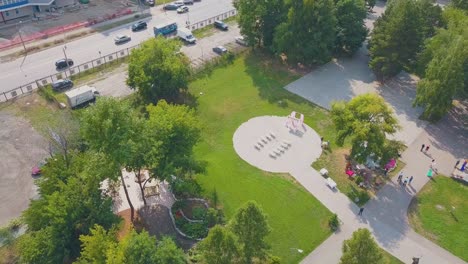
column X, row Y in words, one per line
column 66, row 58
column 21, row 37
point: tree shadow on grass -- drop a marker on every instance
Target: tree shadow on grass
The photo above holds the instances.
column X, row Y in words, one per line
column 270, row 76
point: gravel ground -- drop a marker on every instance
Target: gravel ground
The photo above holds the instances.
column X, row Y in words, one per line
column 21, row 148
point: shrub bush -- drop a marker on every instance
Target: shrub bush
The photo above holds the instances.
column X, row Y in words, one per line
column 199, row 213
column 334, row 223
column 359, row 179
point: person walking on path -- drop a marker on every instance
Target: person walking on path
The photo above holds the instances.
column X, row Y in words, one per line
column 456, row 164
column 410, row 180
column 405, row 181
column 464, row 165
column 422, row 147
column 427, row 148
column 361, row 210
column 400, row 176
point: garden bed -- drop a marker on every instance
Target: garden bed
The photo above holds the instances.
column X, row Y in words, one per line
column 195, row 223
column 336, row 160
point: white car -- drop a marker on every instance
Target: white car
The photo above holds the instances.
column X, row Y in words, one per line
column 121, row 39
column 241, row 41
column 182, row 9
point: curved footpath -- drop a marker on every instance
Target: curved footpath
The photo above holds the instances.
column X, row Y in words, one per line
column 385, row 216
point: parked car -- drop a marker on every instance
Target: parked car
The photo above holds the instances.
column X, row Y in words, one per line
column 173, row 6
column 188, row 2
column 37, row 169
column 121, row 39
column 63, row 84
column 63, row 63
column 221, row 25
column 140, row 25
column 182, row 9
column 150, row 2
column 241, row 41
column 220, row 50
column 179, row 3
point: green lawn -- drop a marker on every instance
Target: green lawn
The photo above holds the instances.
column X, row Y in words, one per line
column 432, row 214
column 250, row 87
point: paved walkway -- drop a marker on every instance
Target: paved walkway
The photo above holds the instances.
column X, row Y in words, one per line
column 386, row 215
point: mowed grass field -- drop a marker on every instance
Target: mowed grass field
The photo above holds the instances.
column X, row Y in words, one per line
column 440, row 213
column 253, row 86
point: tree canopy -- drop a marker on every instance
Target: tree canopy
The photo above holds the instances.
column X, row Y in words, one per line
column 251, row 227
column 399, row 35
column 66, row 211
column 258, row 20
column 102, row 247
column 351, row 30
column 175, row 130
column 220, row 247
column 110, row 127
column 366, row 120
column 361, row 248
column 308, row 35
column 443, row 79
column 157, row 70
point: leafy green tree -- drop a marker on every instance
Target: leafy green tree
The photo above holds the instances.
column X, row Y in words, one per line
column 351, row 30
column 366, row 120
column 168, row 252
column 361, row 248
column 95, row 245
column 396, row 38
column 139, row 248
column 444, row 78
column 220, row 247
column 109, row 127
column 251, row 226
column 158, row 70
column 308, row 35
column 174, row 130
column 462, row 4
column 258, row 20
column 58, row 218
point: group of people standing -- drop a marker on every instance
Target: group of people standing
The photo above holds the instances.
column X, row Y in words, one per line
column 406, row 181
column 463, row 167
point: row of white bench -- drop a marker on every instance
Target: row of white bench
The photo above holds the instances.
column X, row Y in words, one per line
column 264, row 140
column 285, row 145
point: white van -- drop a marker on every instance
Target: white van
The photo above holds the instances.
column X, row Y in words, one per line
column 186, row 35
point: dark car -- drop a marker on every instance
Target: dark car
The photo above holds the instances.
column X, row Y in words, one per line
column 140, row 25
column 62, row 84
column 188, row 2
column 63, row 63
column 150, row 2
column 221, row 25
column 173, row 6
column 220, row 50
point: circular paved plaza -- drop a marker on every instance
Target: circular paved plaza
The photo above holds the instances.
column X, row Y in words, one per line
column 268, row 144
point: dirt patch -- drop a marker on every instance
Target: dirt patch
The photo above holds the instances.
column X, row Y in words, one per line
column 157, row 222
column 22, row 147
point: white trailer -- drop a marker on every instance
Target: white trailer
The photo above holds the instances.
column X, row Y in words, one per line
column 186, row 35
column 81, row 96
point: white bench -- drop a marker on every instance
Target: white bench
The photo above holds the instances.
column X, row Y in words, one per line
column 277, row 152
column 264, row 140
column 272, row 154
column 287, row 142
column 272, row 135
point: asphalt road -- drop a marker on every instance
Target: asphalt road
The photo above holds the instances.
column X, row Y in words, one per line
column 32, row 67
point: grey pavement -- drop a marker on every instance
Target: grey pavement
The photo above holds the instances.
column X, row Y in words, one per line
column 38, row 65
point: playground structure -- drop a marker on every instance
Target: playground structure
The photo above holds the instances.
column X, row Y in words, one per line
column 293, row 122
